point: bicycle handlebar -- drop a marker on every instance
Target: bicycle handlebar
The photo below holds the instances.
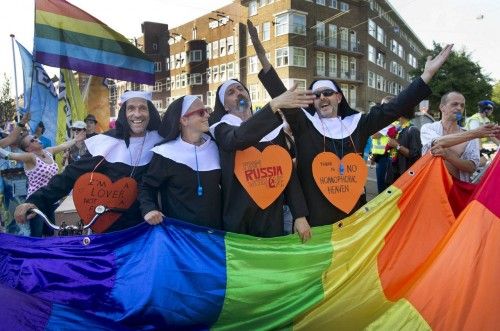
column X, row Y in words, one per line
column 99, row 210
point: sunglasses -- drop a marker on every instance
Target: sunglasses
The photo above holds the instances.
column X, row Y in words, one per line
column 32, row 140
column 326, row 93
column 201, row 112
column 77, row 130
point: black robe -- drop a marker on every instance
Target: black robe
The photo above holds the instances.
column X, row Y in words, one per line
column 177, row 183
column 310, row 142
column 240, row 213
column 62, row 184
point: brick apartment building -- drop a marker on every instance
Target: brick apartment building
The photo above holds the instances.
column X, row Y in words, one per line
column 363, row 44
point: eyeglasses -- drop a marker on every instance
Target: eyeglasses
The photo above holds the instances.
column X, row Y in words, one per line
column 201, row 112
column 32, row 140
column 326, row 93
column 77, row 129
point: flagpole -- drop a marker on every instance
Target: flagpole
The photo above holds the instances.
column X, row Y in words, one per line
column 12, row 37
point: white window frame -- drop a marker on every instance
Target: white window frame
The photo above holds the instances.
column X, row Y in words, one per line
column 230, row 44
column 252, row 8
column 195, row 56
column 320, row 33
column 332, row 35
column 266, row 31
column 320, row 63
column 157, row 66
column 332, row 65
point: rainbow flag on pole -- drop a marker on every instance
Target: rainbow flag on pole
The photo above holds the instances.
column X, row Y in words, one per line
column 68, row 37
column 402, row 262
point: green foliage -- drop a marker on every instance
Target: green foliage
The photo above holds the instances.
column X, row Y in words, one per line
column 7, row 103
column 458, row 73
column 495, row 97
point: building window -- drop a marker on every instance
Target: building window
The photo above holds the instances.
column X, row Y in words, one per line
column 371, row 79
column 352, row 96
column 320, row 63
column 222, row 47
column 157, row 87
column 320, row 33
column 344, row 38
column 372, row 29
column 266, row 31
column 332, row 35
column 254, row 92
column 352, row 68
column 252, row 8
column 209, row 75
column 290, row 23
column 177, row 81
column 380, row 83
column 371, row 53
column 183, row 80
column 222, row 72
column 157, row 66
column 167, row 63
column 299, row 57
column 230, row 45
column 210, row 99
column 195, row 56
column 320, row 2
column 380, row 59
column 183, row 59
column 344, row 6
column 230, row 70
column 344, row 66
column 209, row 51
column 332, row 65
column 345, row 91
column 332, row 3
column 354, row 41
column 281, row 57
column 380, row 35
column 215, row 49
column 195, row 79
column 215, row 74
column 253, row 64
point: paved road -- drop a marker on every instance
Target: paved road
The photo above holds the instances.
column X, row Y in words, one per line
column 371, row 184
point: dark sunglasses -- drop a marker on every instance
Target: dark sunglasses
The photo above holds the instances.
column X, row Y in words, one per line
column 201, row 112
column 326, row 93
column 32, row 140
column 77, row 130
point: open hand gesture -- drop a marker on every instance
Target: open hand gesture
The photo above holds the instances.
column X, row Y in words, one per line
column 432, row 65
column 292, row 99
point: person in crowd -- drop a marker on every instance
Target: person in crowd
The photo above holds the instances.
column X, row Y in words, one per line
column 91, row 122
column 40, row 167
column 118, row 153
column 185, row 169
column 459, row 148
column 39, row 131
column 405, row 149
column 331, row 125
column 78, row 150
column 235, row 129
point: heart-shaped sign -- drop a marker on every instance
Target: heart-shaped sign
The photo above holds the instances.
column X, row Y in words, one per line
column 263, row 175
column 94, row 189
column 341, row 182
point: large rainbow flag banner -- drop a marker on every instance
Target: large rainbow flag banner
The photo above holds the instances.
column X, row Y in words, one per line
column 402, row 262
column 68, row 37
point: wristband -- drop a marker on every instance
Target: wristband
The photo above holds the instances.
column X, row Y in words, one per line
column 4, row 154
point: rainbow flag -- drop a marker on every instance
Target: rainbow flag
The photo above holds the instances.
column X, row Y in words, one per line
column 68, row 37
column 403, row 261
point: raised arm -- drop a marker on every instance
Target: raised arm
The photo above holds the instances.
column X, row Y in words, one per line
column 485, row 131
column 12, row 137
column 80, row 136
column 433, row 64
column 257, row 45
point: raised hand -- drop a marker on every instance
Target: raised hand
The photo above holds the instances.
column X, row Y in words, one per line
column 432, row 65
column 292, row 99
column 259, row 49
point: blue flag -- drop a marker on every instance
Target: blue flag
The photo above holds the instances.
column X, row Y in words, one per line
column 40, row 96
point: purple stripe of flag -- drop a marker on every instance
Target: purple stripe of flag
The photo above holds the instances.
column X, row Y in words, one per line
column 95, row 69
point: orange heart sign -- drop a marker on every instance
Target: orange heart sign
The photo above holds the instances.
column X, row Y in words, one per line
column 342, row 189
column 94, row 189
column 263, row 175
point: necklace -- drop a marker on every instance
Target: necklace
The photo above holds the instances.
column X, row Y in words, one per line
column 325, row 129
column 137, row 156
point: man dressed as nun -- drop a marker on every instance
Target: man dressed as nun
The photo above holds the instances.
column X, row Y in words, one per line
column 236, row 129
column 121, row 152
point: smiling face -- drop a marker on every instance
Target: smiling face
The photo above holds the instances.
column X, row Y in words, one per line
column 30, row 143
column 196, row 118
column 137, row 114
column 326, row 102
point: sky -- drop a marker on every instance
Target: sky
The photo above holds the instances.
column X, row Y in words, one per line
column 470, row 25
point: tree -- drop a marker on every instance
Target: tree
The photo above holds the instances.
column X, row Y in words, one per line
column 7, row 104
column 495, row 97
column 458, row 73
